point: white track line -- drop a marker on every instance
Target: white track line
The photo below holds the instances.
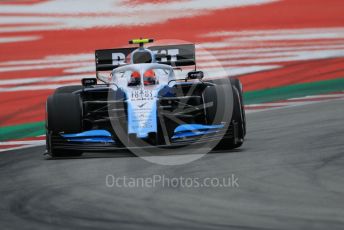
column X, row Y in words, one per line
column 40, row 142
column 19, row 147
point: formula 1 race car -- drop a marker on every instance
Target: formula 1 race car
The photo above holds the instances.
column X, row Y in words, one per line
column 142, row 103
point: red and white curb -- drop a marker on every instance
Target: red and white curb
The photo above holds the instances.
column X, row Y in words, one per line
column 22, row 143
column 40, row 140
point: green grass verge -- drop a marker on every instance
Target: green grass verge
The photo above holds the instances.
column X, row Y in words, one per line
column 21, row 131
column 292, row 91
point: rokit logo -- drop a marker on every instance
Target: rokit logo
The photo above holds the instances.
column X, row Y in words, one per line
column 162, row 55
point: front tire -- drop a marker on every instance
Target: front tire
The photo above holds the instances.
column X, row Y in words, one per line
column 237, row 121
column 237, row 125
column 63, row 114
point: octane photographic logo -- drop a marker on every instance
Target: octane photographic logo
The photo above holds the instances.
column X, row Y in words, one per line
column 141, row 109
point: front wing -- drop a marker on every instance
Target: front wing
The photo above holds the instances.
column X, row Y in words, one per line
column 102, row 140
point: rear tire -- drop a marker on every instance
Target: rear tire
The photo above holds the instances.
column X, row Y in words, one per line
column 63, row 114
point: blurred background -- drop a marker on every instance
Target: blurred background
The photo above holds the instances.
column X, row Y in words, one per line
column 279, row 49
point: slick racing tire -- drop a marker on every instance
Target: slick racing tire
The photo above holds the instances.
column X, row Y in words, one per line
column 214, row 110
column 238, row 124
column 237, row 84
column 63, row 114
column 237, row 119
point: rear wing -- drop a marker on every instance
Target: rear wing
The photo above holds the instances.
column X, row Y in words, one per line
column 174, row 55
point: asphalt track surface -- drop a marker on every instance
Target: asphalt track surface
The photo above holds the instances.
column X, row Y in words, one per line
column 290, row 175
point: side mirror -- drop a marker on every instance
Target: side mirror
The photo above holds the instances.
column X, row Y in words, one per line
column 88, row 81
column 195, row 75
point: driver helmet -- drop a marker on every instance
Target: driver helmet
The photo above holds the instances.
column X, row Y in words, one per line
column 149, row 77
column 134, row 78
